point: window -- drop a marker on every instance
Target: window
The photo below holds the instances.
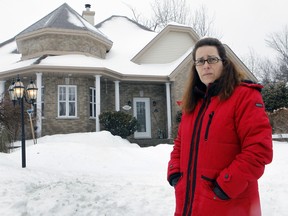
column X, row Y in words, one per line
column 92, row 94
column 67, row 95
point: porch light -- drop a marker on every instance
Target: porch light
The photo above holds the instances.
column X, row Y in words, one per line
column 18, row 89
column 31, row 91
column 17, row 92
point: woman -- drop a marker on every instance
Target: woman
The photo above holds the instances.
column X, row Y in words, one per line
column 224, row 139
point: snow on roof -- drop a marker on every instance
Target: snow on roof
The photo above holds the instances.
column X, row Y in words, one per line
column 64, row 17
column 128, row 39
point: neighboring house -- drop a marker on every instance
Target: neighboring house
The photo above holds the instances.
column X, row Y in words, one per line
column 82, row 70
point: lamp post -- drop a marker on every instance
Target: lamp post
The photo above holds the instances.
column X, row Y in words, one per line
column 17, row 92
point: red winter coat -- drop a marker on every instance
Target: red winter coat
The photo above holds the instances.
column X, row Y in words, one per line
column 228, row 142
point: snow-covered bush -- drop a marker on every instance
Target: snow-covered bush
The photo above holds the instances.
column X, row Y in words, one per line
column 118, row 123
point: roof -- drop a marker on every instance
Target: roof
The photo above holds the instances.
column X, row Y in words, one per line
column 64, row 17
column 99, row 25
column 118, row 60
column 130, row 42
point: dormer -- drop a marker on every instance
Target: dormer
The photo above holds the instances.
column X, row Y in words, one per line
column 169, row 45
column 61, row 32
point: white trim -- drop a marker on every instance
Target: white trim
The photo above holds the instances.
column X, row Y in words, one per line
column 147, row 133
column 117, row 96
column 66, row 101
column 93, row 102
column 98, row 101
column 168, row 104
column 39, row 104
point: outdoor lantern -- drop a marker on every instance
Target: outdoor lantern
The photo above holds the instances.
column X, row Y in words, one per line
column 17, row 92
column 19, row 89
column 31, row 92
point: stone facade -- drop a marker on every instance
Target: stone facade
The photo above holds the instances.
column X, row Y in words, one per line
column 51, row 43
column 177, row 89
column 156, row 93
column 278, row 120
column 52, row 124
column 129, row 90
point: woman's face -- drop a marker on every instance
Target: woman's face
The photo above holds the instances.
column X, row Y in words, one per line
column 208, row 73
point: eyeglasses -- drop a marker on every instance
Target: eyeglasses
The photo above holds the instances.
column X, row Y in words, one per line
column 210, row 60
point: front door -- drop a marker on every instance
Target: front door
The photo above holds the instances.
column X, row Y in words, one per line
column 141, row 107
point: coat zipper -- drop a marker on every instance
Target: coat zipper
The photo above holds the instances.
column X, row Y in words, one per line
column 208, row 125
column 187, row 210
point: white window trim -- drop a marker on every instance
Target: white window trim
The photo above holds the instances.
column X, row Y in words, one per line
column 147, row 134
column 93, row 102
column 67, row 101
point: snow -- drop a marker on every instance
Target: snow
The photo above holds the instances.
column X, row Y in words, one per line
column 83, row 23
column 99, row 174
column 118, row 59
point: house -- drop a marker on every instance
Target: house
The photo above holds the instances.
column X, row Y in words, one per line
column 82, row 69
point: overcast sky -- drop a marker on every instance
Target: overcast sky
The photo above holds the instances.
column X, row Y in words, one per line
column 243, row 26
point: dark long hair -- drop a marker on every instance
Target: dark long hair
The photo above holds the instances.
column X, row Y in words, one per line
column 229, row 79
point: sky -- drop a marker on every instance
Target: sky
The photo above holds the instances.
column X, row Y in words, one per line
column 243, row 25
column 97, row 174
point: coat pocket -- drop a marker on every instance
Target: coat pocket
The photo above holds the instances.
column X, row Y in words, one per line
column 207, row 185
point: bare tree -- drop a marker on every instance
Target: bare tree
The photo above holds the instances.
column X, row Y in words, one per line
column 139, row 18
column 268, row 71
column 167, row 11
column 279, row 42
column 202, row 23
column 252, row 62
column 262, row 67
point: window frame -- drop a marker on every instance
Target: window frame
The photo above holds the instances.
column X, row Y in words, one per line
column 66, row 101
column 92, row 103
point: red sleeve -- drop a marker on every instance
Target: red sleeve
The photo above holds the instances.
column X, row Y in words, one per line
column 174, row 163
column 255, row 135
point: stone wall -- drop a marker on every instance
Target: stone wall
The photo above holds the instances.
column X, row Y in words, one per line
column 177, row 89
column 155, row 92
column 56, row 44
column 52, row 124
column 279, row 121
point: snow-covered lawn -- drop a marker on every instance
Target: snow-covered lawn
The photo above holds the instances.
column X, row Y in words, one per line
column 98, row 174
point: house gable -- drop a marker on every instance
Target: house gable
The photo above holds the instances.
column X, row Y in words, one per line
column 169, row 45
column 63, row 31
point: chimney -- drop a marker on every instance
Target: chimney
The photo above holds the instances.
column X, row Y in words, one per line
column 88, row 15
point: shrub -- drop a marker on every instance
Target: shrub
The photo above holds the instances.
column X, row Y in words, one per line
column 176, row 126
column 118, row 123
column 275, row 96
column 5, row 140
column 178, row 116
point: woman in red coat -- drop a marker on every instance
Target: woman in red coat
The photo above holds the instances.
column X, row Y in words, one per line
column 224, row 139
